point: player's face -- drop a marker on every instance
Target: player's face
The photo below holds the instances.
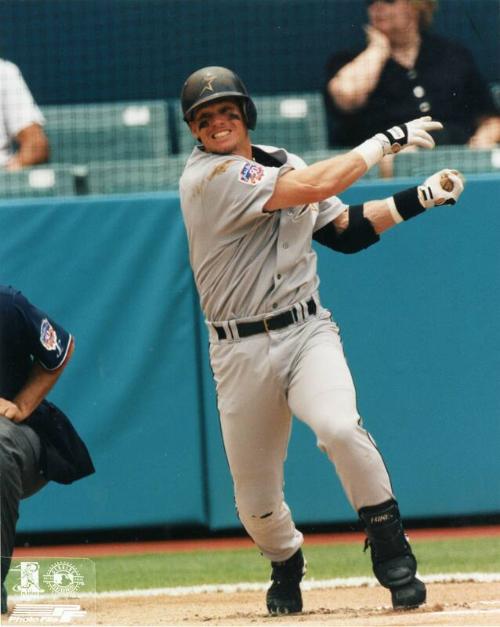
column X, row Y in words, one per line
column 220, row 128
column 392, row 18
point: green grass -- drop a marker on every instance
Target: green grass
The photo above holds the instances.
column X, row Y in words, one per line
column 246, row 565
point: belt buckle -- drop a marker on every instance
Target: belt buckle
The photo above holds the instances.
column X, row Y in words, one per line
column 266, row 326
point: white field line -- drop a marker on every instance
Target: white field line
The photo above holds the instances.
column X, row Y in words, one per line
column 311, row 584
column 467, row 612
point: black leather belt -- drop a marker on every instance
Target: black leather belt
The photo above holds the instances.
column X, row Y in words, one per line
column 267, row 324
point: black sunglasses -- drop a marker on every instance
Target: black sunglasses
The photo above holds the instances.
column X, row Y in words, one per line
column 370, row 2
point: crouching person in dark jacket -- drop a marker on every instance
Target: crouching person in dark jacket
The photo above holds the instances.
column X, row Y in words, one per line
column 37, row 441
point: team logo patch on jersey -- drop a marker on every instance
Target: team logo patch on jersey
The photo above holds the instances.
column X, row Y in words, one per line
column 48, row 336
column 251, row 173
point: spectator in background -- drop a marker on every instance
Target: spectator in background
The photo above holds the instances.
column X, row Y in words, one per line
column 37, row 441
column 22, row 139
column 405, row 72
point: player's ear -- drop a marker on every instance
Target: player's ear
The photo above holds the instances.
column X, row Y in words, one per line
column 194, row 130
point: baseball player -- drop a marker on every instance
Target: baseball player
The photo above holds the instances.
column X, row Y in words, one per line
column 37, row 441
column 251, row 213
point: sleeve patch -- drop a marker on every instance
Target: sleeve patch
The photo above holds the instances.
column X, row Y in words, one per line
column 48, row 337
column 251, row 173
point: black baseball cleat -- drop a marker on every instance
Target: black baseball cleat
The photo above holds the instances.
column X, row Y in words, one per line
column 284, row 595
column 410, row 596
column 4, row 599
column 394, row 564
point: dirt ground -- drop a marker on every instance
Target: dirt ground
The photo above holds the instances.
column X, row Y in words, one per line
column 448, row 604
column 451, row 604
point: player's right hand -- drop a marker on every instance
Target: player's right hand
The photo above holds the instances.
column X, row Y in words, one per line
column 432, row 193
column 413, row 133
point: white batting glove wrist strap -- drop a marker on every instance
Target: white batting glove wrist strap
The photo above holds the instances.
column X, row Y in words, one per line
column 371, row 151
column 394, row 139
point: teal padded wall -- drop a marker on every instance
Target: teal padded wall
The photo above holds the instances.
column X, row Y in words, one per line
column 418, row 315
column 114, row 272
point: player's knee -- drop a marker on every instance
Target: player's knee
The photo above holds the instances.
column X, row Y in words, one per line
column 257, row 519
column 338, row 433
column 10, row 474
column 8, row 464
column 258, row 511
column 257, row 507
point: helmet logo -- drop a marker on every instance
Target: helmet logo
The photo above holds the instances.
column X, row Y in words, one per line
column 209, row 79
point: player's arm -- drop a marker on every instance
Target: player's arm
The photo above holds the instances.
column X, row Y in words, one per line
column 359, row 226
column 316, row 182
column 332, row 176
column 36, row 388
column 33, row 148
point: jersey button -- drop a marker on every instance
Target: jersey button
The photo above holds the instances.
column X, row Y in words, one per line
column 285, row 245
column 275, row 305
column 278, row 276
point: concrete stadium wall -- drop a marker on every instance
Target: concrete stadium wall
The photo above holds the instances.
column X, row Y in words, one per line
column 418, row 319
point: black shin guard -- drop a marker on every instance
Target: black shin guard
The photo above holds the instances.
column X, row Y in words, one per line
column 394, row 564
column 393, row 561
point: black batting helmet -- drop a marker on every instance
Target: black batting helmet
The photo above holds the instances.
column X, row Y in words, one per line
column 215, row 83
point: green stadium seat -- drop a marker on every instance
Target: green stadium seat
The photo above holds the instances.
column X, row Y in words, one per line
column 463, row 158
column 129, row 176
column 422, row 163
column 101, row 132
column 183, row 141
column 296, row 122
column 39, row 181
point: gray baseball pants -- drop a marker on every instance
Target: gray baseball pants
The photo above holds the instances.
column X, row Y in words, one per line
column 263, row 380
column 19, row 478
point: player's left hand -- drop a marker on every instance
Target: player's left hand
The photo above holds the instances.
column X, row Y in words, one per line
column 442, row 188
column 412, row 133
column 10, row 410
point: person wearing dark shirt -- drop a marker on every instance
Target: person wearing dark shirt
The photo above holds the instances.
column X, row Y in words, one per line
column 37, row 441
column 406, row 71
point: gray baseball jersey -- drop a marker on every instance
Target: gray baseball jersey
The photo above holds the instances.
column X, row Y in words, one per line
column 247, row 262
column 249, row 265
